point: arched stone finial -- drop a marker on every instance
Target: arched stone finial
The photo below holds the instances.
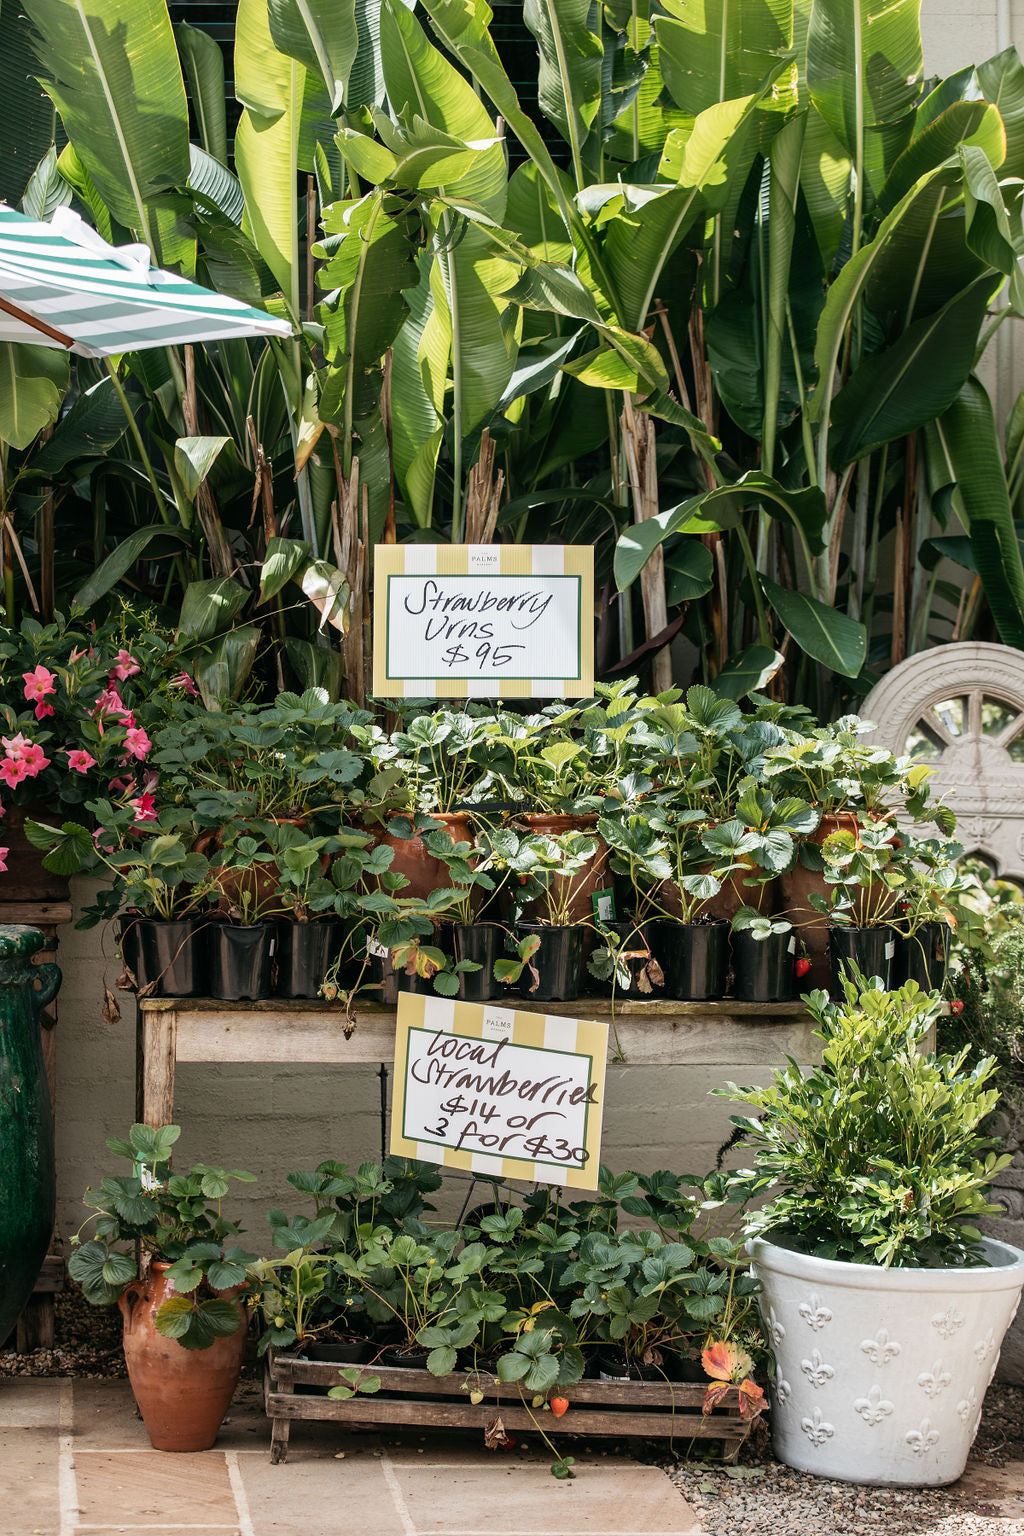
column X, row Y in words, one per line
column 961, row 708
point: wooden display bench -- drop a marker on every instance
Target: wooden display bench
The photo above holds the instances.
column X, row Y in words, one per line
column 650, row 1034
column 656, row 1409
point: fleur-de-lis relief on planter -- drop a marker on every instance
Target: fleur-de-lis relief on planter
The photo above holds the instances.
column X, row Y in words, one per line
column 783, row 1390
column 815, row 1369
column 881, row 1349
column 966, row 1406
column 946, row 1323
column 814, row 1313
column 985, row 1346
column 817, row 1429
column 775, row 1328
column 934, row 1381
column 873, row 1408
column 922, row 1439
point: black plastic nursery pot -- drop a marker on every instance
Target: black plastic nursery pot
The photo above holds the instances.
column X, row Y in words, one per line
column 638, row 958
column 167, row 958
column 616, row 1365
column 557, row 963
column 693, row 956
column 407, row 1359
column 482, row 944
column 305, row 953
column 870, row 950
column 764, row 969
column 352, row 1351
column 922, row 957
column 240, row 960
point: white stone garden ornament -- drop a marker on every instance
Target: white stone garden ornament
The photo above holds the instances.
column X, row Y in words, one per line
column 875, row 1165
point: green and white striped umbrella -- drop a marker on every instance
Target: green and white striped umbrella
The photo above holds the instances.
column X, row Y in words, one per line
column 62, row 285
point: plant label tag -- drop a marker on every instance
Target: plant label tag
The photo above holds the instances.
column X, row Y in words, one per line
column 603, row 903
column 890, row 949
column 791, row 946
column 375, row 948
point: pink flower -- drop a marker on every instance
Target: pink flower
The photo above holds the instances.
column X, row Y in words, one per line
column 76, row 655
column 126, row 666
column 184, row 681
column 14, row 746
column 80, row 760
column 137, row 742
column 42, row 710
column 12, row 771
column 110, row 702
column 122, row 786
column 39, row 683
column 34, row 759
column 144, row 807
column 3, row 860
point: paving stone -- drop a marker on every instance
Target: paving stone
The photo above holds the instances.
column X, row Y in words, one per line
column 28, row 1464
column 145, row 1487
column 313, row 1494
column 620, row 1499
column 998, row 1488
column 34, row 1403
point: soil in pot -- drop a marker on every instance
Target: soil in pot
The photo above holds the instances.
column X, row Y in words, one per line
column 240, row 960
column 871, row 950
column 694, row 958
column 182, row 1394
column 556, row 965
column 482, row 943
column 763, row 969
column 305, row 953
column 922, row 957
column 171, row 959
column 645, row 978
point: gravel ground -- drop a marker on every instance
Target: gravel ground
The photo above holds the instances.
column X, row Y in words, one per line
column 759, row 1497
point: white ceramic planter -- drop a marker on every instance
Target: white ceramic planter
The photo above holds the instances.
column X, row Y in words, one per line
column 881, row 1372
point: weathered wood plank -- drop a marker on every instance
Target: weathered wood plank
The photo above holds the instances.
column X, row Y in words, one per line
column 156, row 1046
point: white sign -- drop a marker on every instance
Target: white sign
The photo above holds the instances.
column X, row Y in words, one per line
column 509, row 620
column 498, row 1091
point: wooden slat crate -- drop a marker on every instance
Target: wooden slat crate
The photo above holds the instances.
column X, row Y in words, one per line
column 413, row 1397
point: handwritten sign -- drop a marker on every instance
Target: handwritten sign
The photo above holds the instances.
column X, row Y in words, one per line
column 483, row 621
column 498, row 1092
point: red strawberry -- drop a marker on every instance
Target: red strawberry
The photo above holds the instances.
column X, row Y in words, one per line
column 558, row 1406
column 956, row 1006
column 802, row 967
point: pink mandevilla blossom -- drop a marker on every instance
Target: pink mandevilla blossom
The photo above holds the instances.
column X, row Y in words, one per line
column 3, row 860
column 80, row 760
column 12, row 771
column 137, row 742
column 34, row 759
column 14, row 746
column 184, row 681
column 144, row 807
column 125, row 666
column 122, row 786
column 110, row 702
column 42, row 710
column 39, row 683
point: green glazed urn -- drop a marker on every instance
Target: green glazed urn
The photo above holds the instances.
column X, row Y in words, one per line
column 27, row 1177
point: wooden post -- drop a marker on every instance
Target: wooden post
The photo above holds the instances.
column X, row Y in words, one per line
column 157, row 1046
column 641, row 461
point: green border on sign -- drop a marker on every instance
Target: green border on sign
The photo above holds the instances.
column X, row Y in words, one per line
column 485, row 677
column 511, row 1157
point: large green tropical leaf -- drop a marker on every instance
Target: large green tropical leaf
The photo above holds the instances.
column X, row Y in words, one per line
column 47, row 189
column 966, row 435
column 827, row 634
column 751, row 670
column 120, row 560
column 897, row 390
column 571, row 57
column 419, row 375
column 864, row 72
column 112, row 69
column 88, row 430
column 204, row 67
column 1002, row 83
column 721, row 49
column 322, row 35
column 271, row 88
column 32, row 384
column 960, row 123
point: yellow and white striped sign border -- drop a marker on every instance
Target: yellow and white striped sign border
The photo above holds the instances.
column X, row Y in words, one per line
column 455, row 560
column 552, row 1032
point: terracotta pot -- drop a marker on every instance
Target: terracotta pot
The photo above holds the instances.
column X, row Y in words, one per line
column 182, row 1394
column 413, row 858
column 593, row 878
column 795, row 889
column 259, row 882
column 733, row 895
column 25, row 878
